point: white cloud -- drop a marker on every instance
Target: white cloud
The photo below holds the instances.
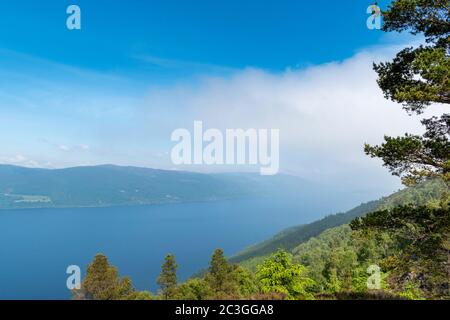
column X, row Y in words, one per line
column 21, row 160
column 84, row 147
column 325, row 114
column 74, row 148
column 63, row 147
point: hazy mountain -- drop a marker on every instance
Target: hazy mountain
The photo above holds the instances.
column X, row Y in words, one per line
column 109, row 185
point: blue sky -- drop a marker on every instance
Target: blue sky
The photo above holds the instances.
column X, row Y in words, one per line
column 266, row 34
column 114, row 91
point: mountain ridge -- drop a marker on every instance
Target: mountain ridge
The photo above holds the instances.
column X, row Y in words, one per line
column 111, row 185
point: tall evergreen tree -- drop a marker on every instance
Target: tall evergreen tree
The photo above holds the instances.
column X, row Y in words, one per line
column 218, row 270
column 417, row 78
column 102, row 282
column 221, row 276
column 168, row 278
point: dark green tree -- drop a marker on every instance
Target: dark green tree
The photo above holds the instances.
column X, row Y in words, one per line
column 102, row 282
column 416, row 158
column 220, row 275
column 194, row 289
column 167, row 280
column 417, row 78
column 423, row 233
column 246, row 282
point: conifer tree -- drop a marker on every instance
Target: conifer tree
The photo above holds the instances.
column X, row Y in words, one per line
column 417, row 78
column 168, row 278
column 102, row 282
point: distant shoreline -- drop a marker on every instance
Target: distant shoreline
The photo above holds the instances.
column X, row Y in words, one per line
column 134, row 204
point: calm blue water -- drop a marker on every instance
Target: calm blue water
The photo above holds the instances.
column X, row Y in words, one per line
column 37, row 245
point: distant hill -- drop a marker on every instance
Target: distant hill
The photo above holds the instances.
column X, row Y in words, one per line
column 109, row 185
column 294, row 236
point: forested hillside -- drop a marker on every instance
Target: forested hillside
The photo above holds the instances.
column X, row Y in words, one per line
column 430, row 191
column 290, row 238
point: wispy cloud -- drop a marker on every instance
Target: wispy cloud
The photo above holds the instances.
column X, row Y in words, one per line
column 21, row 160
column 66, row 148
column 165, row 63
